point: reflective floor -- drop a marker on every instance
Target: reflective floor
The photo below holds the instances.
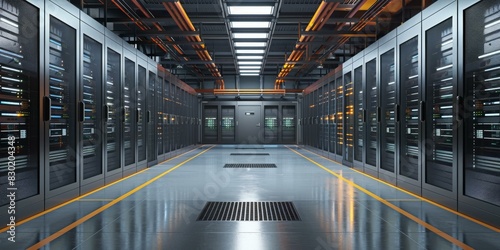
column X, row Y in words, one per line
column 339, row 209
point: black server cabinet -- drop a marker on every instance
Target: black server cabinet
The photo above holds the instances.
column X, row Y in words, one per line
column 159, row 116
column 21, row 43
column 440, row 144
column 60, row 105
column 210, row 124
column 271, row 124
column 409, row 76
column 228, row 124
column 151, row 133
column 324, row 119
column 388, row 103
column 112, row 108
column 359, row 114
column 288, row 121
column 173, row 108
column 90, row 103
column 321, row 132
column 479, row 173
column 128, row 110
column 141, row 112
column 332, row 116
column 348, row 118
column 372, row 111
column 339, row 115
column 166, row 114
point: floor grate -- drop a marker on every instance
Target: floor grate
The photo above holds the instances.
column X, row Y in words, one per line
column 249, row 211
column 249, row 153
column 253, row 165
column 247, row 148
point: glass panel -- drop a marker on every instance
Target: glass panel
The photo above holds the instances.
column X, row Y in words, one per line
column 271, row 124
column 173, row 108
column 340, row 114
column 324, row 118
column 439, row 120
column 228, row 131
column 210, row 124
column 349, row 116
column 19, row 77
column 141, row 108
column 482, row 82
column 92, row 93
column 371, row 112
column 333, row 124
column 159, row 115
column 62, row 89
column 388, row 107
column 113, row 103
column 151, row 117
column 129, row 108
column 288, row 121
column 166, row 112
column 359, row 116
column 410, row 105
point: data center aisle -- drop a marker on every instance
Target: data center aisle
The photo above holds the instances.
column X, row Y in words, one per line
column 339, row 208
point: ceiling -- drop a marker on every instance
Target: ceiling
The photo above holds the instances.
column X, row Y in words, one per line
column 301, row 40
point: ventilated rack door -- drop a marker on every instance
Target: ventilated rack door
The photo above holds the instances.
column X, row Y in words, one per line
column 271, row 124
column 141, row 114
column 19, row 90
column 62, row 94
column 210, row 122
column 113, row 104
column 482, row 88
column 359, row 110
column 439, row 105
column 159, row 116
column 324, row 117
column 371, row 112
column 166, row 112
column 151, row 117
column 129, row 108
column 228, row 124
column 339, row 114
column 409, row 68
column 288, row 117
column 333, row 120
column 92, row 94
column 388, row 111
column 349, row 117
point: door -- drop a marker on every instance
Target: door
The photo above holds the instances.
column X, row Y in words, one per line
column 129, row 112
column 270, row 124
column 348, row 116
column 140, row 117
column 359, row 116
column 151, row 117
column 372, row 114
column 249, row 124
column 227, row 124
column 288, row 121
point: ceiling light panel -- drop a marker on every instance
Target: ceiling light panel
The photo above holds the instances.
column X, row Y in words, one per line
column 249, row 62
column 249, row 71
column 249, row 74
column 250, row 44
column 250, row 10
column 250, row 35
column 250, row 67
column 250, row 24
column 250, row 57
column 250, row 51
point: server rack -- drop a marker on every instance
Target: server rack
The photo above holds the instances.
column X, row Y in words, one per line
column 271, row 124
column 348, row 116
column 151, row 133
column 409, row 76
column 332, row 114
column 479, row 172
column 389, row 106
column 372, row 110
column 324, row 119
column 21, row 113
column 228, row 132
column 359, row 113
column 339, row 114
column 141, row 111
column 440, row 158
column 128, row 110
column 289, row 124
column 166, row 114
column 112, row 107
column 61, row 175
column 90, row 96
column 159, row 116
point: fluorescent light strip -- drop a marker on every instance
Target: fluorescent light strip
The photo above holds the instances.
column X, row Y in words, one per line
column 249, row 67
column 250, row 51
column 250, row 44
column 250, row 57
column 249, row 74
column 249, row 71
column 250, row 24
column 250, row 10
column 492, row 24
column 249, row 35
column 489, row 54
column 250, row 62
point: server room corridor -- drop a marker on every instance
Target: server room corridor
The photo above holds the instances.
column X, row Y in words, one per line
column 304, row 201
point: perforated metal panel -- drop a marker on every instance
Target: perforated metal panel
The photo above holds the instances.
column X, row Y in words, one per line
column 245, row 165
column 249, row 153
column 249, row 211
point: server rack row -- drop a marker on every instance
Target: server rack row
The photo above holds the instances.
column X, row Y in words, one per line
column 78, row 106
column 419, row 108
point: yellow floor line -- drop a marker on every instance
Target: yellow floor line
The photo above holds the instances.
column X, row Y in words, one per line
column 394, row 207
column 95, row 199
column 417, row 196
column 85, row 195
column 108, row 205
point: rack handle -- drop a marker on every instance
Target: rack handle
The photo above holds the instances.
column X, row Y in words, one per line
column 47, row 104
column 106, row 113
column 397, row 112
column 82, row 111
column 458, row 108
column 137, row 115
column 422, row 111
column 379, row 114
column 364, row 115
column 149, row 116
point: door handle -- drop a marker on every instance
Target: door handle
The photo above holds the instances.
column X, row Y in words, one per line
column 82, row 111
column 137, row 115
column 379, row 114
column 106, row 112
column 422, row 111
column 47, row 102
column 459, row 108
column 364, row 115
column 397, row 112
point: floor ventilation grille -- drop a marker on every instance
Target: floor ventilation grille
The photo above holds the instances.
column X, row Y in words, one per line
column 249, row 211
column 253, row 165
column 249, row 153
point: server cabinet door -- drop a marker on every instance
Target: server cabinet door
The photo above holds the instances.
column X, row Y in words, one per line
column 60, row 104
column 129, row 112
column 210, row 124
column 388, row 106
column 288, row 122
column 166, row 116
column 440, row 158
column 333, row 121
column 90, row 97
column 151, row 118
column 112, row 111
column 141, row 114
column 270, row 124
column 228, row 124
column 159, row 116
column 348, row 118
column 479, row 178
column 359, row 116
column 409, row 169
column 372, row 115
column 324, row 119
column 20, row 68
column 339, row 115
